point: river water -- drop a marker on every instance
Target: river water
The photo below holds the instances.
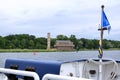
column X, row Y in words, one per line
column 61, row 56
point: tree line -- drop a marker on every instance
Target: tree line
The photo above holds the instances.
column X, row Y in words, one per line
column 26, row 41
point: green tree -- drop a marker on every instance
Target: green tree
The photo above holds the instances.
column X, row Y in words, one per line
column 41, row 43
column 84, row 42
column 30, row 41
column 23, row 43
column 2, row 42
column 74, row 40
column 62, row 37
column 95, row 44
column 31, row 44
column 53, row 40
column 79, row 45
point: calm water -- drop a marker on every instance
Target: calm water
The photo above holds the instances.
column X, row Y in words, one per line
column 62, row 56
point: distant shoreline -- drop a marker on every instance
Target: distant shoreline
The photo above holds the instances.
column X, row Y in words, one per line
column 45, row 50
column 32, row 50
column 27, row 50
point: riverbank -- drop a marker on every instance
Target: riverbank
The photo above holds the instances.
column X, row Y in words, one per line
column 51, row 50
column 27, row 50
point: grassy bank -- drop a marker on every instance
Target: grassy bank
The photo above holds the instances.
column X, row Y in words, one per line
column 27, row 50
column 45, row 50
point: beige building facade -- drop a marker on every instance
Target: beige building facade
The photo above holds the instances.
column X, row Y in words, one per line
column 64, row 45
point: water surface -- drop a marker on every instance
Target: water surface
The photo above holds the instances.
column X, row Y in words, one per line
column 61, row 56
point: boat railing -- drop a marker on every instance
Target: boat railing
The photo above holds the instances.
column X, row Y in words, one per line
column 36, row 77
column 20, row 72
column 60, row 77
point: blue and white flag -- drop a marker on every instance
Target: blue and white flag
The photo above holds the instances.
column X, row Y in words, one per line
column 105, row 22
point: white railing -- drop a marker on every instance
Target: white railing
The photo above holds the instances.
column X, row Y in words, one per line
column 36, row 77
column 20, row 72
column 59, row 77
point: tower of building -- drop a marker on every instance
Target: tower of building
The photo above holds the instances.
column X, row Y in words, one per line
column 48, row 41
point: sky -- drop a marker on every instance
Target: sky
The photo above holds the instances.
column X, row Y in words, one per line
column 78, row 17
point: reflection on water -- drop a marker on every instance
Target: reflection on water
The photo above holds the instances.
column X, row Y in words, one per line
column 61, row 56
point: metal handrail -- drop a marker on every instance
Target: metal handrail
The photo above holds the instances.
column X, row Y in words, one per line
column 60, row 77
column 20, row 72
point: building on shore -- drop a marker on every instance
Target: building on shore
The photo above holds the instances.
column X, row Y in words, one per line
column 64, row 45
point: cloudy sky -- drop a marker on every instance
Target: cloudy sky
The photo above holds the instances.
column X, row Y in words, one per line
column 78, row 17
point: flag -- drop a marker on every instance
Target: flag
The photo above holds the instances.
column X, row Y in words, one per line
column 105, row 22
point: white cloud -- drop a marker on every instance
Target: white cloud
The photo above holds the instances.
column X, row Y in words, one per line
column 56, row 16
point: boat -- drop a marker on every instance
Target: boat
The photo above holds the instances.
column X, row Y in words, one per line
column 84, row 69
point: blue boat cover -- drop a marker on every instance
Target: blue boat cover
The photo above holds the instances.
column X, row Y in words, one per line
column 41, row 67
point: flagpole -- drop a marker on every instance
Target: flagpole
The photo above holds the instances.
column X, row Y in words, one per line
column 101, row 38
column 101, row 41
column 105, row 25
